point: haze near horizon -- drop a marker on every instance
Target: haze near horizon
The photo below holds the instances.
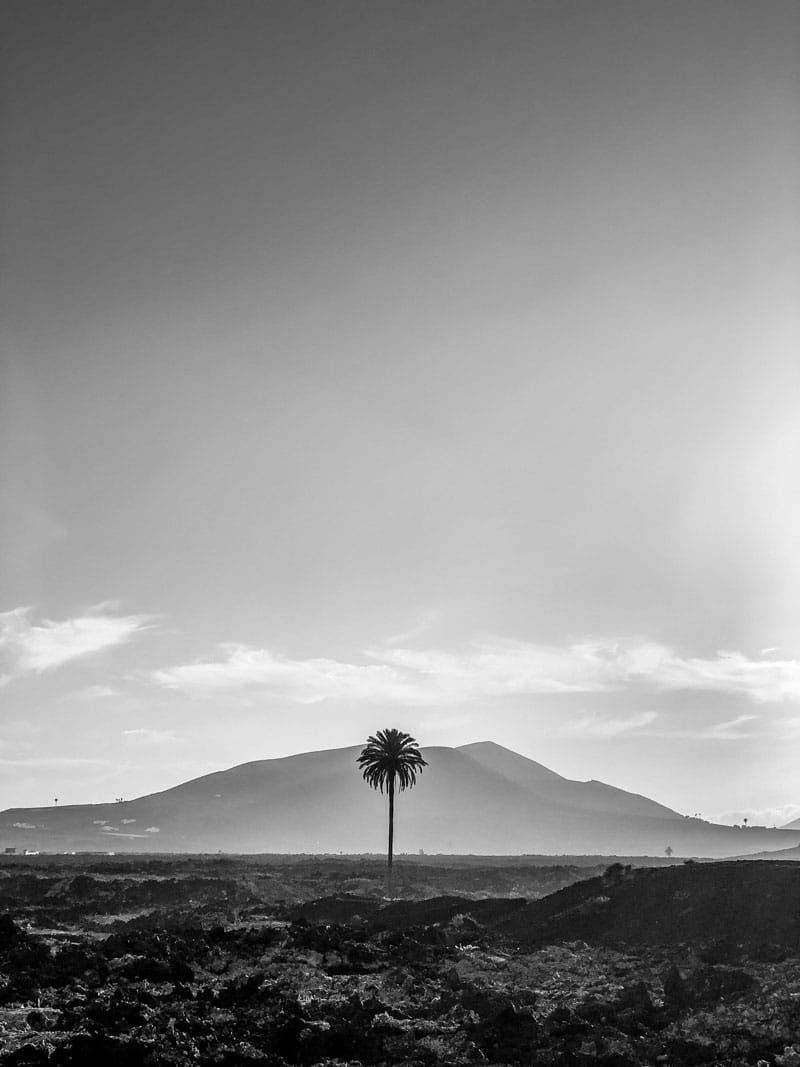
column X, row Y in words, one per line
column 429, row 365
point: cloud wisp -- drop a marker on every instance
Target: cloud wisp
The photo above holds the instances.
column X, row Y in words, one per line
column 305, row 681
column 98, row 692
column 149, row 736
column 487, row 670
column 595, row 726
column 515, row 668
column 426, row 621
column 650, row 724
column 28, row 647
column 728, row 730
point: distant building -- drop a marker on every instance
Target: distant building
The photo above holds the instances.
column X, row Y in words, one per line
column 10, row 851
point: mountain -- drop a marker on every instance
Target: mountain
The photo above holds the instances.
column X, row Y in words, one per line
column 479, row 798
column 785, row 855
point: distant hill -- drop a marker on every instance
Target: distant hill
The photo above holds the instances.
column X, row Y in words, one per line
column 752, row 905
column 479, row 798
column 749, row 904
column 788, row 855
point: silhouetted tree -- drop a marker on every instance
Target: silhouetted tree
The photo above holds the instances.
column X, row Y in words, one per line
column 668, row 851
column 391, row 758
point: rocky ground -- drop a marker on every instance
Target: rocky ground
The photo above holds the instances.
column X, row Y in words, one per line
column 235, row 962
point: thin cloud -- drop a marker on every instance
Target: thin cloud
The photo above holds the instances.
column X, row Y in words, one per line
column 303, row 681
column 515, row 668
column 504, row 668
column 729, row 672
column 596, row 726
column 426, row 621
column 150, row 736
column 98, row 692
column 487, row 670
column 729, row 730
column 33, row 648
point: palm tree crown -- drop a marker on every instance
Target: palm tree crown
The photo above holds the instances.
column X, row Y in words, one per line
column 391, row 754
column 391, row 758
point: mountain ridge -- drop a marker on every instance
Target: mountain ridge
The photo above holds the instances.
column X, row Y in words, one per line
column 479, row 798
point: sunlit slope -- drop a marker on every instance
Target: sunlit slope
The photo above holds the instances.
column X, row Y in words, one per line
column 593, row 796
column 479, row 798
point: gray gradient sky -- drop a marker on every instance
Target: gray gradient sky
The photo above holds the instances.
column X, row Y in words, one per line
column 430, row 364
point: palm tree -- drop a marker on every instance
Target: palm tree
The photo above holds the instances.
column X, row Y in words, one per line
column 391, row 757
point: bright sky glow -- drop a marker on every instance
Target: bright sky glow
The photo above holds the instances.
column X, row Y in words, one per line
column 395, row 364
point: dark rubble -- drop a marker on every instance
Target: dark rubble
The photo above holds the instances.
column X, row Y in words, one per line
column 230, row 964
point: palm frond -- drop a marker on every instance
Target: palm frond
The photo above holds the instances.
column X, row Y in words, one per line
column 391, row 757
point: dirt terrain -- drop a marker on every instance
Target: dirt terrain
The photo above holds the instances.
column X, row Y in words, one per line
column 240, row 961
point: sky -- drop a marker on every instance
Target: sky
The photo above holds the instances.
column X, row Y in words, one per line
column 417, row 364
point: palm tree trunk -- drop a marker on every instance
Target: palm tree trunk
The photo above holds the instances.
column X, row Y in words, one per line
column 391, row 821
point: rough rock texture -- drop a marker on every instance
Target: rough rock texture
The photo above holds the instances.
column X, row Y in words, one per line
column 232, row 976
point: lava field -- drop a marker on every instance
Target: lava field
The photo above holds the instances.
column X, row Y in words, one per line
column 240, row 961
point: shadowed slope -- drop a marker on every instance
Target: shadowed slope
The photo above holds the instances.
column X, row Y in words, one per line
column 752, row 904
